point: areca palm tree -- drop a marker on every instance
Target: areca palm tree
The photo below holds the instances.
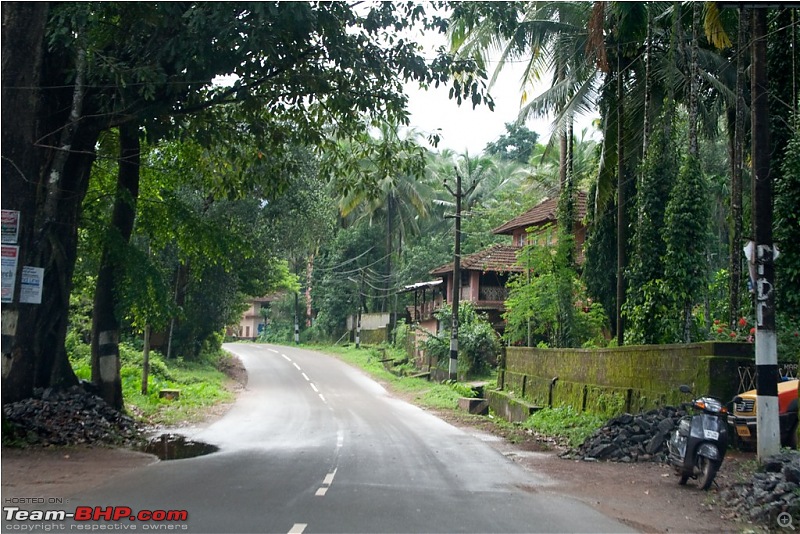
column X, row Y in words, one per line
column 397, row 197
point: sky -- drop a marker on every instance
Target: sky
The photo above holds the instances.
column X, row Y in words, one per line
column 466, row 129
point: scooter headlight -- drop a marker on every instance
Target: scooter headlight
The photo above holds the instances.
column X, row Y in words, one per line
column 710, row 405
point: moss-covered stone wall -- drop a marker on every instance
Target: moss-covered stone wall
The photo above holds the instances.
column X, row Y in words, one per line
column 374, row 337
column 634, row 378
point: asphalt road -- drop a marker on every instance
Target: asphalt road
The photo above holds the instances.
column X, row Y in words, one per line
column 313, row 445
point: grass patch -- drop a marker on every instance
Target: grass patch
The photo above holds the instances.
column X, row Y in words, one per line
column 201, row 384
column 426, row 393
column 565, row 422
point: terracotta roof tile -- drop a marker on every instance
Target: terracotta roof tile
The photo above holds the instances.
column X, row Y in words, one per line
column 498, row 258
column 543, row 212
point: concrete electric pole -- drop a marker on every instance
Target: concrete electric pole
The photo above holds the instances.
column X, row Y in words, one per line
column 763, row 253
column 459, row 195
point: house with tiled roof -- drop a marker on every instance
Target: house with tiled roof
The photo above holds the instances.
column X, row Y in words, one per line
column 538, row 225
column 484, row 274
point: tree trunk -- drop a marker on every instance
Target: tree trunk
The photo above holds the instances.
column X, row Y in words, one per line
column 22, row 39
column 621, row 201
column 309, row 279
column 105, row 323
column 694, row 151
column 47, row 157
column 181, row 285
column 736, row 175
column 389, row 247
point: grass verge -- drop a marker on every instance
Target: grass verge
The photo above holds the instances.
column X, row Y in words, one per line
column 202, row 384
column 424, row 392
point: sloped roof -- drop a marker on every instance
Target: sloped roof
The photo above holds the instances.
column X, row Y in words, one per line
column 497, row 258
column 421, row 285
column 544, row 212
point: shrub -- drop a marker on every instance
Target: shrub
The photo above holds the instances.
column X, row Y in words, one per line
column 478, row 343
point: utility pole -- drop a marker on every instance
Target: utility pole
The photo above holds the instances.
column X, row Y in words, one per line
column 296, row 321
column 459, row 195
column 296, row 306
column 358, row 314
column 146, row 359
column 763, row 253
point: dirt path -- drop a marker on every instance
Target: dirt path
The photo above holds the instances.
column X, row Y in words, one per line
column 58, row 472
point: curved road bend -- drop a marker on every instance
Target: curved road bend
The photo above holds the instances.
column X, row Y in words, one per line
column 313, row 445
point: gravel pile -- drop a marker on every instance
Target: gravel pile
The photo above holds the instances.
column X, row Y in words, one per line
column 770, row 492
column 631, row 438
column 67, row 417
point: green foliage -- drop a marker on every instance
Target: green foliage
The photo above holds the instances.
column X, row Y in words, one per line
column 463, row 390
column 788, row 337
column 649, row 303
column 686, row 235
column 651, row 314
column 516, row 144
column 337, row 276
column 600, row 265
column 744, row 331
column 566, row 422
column 279, row 318
column 478, row 344
column 786, row 225
column 550, row 306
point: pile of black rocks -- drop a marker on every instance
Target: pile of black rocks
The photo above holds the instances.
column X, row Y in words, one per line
column 772, row 491
column 631, row 438
column 67, row 417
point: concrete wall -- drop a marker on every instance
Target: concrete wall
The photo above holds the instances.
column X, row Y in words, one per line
column 625, row 379
column 369, row 321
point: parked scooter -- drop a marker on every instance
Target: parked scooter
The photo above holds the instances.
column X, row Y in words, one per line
column 697, row 446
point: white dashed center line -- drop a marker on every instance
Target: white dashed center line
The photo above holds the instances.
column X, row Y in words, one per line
column 298, row 528
column 326, row 484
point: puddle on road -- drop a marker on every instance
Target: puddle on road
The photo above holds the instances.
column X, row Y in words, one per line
column 177, row 447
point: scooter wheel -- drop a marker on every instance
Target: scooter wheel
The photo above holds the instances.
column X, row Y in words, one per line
column 708, row 470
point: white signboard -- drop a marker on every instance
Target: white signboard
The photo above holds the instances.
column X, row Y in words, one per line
column 30, row 287
column 8, row 261
column 9, row 226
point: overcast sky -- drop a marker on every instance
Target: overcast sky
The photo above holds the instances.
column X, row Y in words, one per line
column 466, row 129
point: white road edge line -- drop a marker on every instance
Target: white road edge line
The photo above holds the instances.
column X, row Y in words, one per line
column 298, row 528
